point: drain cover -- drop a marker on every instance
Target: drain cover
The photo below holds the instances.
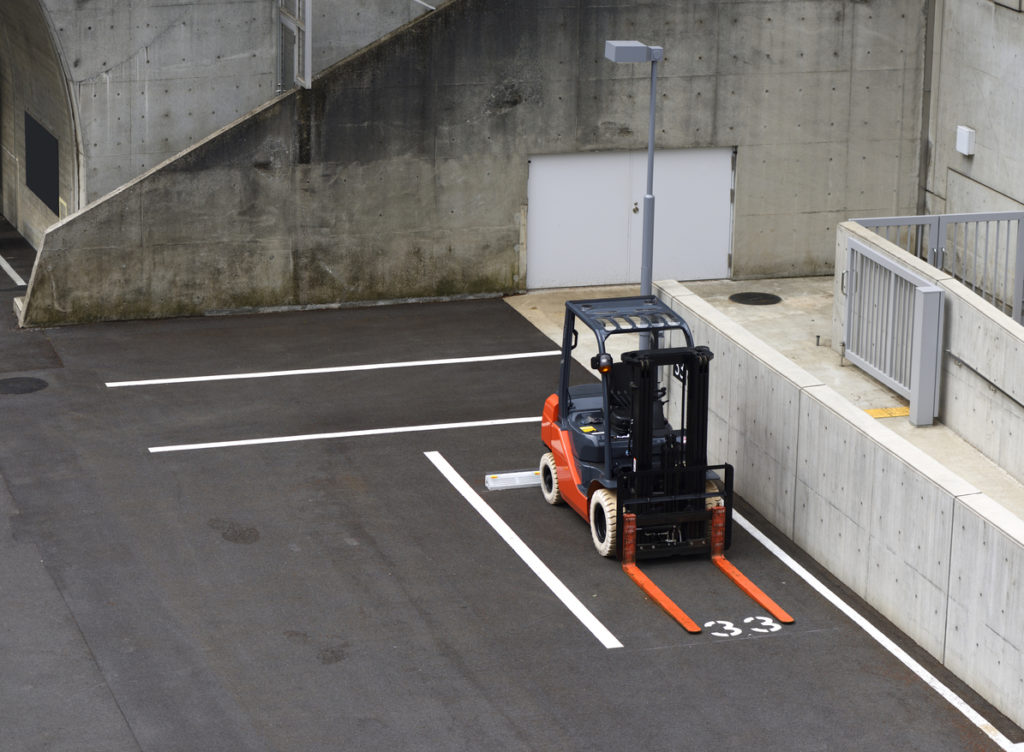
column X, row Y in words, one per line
column 21, row 385
column 755, row 298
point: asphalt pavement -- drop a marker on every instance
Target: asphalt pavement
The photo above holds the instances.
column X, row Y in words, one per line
column 250, row 546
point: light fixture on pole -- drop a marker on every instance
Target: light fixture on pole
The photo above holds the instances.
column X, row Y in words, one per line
column 637, row 52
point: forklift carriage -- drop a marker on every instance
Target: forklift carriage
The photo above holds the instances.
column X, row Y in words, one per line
column 611, row 449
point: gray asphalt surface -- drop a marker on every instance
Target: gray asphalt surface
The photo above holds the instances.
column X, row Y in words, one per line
column 340, row 594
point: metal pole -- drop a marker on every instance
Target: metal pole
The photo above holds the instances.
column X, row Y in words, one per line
column 647, row 257
column 620, row 51
column 647, row 339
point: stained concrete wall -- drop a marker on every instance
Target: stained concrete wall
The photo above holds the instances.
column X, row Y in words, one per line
column 976, row 81
column 982, row 375
column 939, row 559
column 403, row 173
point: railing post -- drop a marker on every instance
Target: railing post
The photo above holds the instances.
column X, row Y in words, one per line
column 926, row 358
column 1018, row 276
column 937, row 241
column 889, row 300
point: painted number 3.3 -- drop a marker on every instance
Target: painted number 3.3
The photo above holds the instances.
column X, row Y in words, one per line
column 762, row 625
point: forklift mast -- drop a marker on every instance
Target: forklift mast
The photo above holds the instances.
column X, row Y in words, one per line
column 686, row 446
column 669, row 488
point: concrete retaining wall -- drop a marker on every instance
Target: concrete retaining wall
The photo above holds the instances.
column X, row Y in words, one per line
column 935, row 556
column 982, row 380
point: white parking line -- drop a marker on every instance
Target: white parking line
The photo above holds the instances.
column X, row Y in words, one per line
column 333, row 369
column 11, row 273
column 951, row 697
column 531, row 559
column 341, row 434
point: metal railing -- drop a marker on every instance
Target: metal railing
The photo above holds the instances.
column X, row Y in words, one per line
column 983, row 251
column 894, row 328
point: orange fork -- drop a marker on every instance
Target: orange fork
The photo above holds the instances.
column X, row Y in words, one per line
column 643, row 581
column 717, row 556
column 744, row 584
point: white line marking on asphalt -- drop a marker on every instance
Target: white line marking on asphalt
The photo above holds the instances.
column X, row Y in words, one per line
column 531, row 559
column 11, row 273
column 333, row 369
column 951, row 697
column 342, row 434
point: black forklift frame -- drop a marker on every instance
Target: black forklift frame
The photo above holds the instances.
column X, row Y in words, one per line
column 673, row 491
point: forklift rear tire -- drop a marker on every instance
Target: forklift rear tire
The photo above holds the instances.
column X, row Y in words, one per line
column 604, row 518
column 549, row 479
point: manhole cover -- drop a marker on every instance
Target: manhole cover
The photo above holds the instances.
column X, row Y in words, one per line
column 21, row 385
column 755, row 298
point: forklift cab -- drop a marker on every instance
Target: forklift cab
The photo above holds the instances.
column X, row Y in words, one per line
column 599, row 416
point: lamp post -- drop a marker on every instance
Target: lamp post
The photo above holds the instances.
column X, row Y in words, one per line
column 638, row 52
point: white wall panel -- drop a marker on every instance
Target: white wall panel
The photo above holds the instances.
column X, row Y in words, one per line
column 585, row 217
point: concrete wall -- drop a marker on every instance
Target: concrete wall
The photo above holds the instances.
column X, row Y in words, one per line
column 404, row 172
column 166, row 245
column 151, row 77
column 982, row 380
column 343, row 27
column 976, row 81
column 932, row 554
column 132, row 84
column 824, row 102
column 32, row 80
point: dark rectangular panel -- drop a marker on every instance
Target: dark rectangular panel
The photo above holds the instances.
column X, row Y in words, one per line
column 41, row 163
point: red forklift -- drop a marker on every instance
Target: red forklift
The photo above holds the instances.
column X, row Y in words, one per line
column 629, row 453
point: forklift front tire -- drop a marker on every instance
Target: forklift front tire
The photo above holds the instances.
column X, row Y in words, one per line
column 604, row 521
column 549, row 479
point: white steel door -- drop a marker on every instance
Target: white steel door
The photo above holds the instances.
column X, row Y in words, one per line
column 585, row 217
